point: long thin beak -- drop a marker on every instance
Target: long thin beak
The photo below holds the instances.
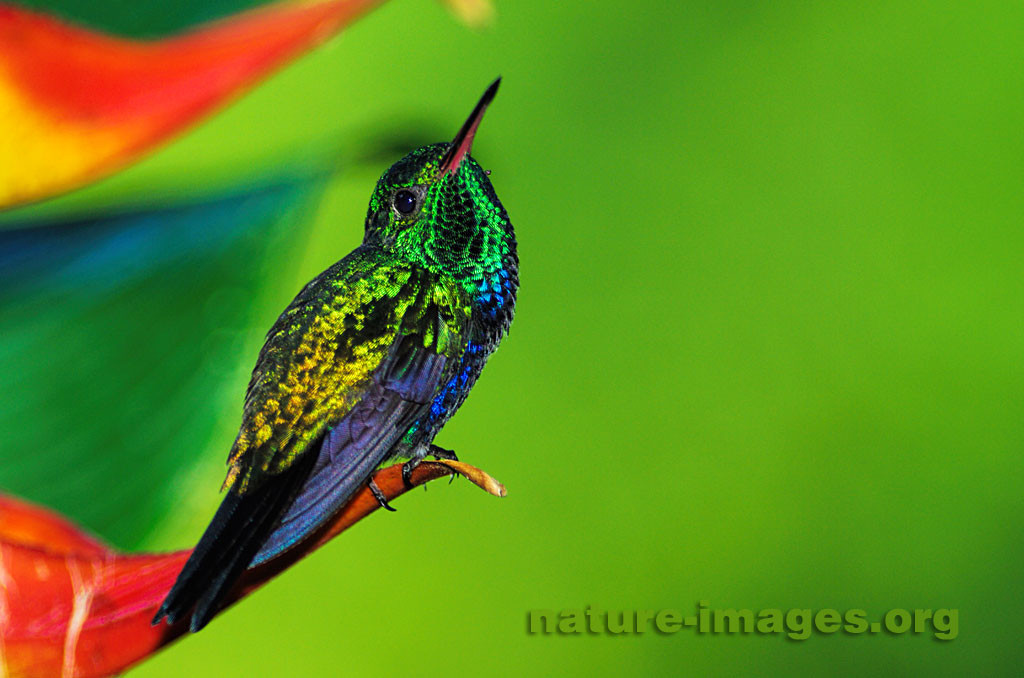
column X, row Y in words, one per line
column 464, row 139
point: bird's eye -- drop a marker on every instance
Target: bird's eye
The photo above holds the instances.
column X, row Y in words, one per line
column 404, row 201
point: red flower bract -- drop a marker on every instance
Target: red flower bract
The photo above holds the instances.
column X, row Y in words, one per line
column 76, row 104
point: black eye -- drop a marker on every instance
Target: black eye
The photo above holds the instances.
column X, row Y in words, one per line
column 404, row 202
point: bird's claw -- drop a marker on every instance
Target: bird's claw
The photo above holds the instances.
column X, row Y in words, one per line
column 379, row 496
column 443, row 453
column 438, row 452
column 407, row 469
column 435, row 451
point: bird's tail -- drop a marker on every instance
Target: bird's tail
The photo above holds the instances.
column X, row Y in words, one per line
column 234, row 536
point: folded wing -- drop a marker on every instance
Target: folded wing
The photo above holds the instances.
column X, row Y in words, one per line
column 346, row 371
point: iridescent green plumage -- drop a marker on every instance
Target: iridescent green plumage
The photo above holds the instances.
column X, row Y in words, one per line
column 322, row 353
column 365, row 365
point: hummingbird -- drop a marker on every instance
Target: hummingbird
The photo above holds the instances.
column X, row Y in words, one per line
column 365, row 365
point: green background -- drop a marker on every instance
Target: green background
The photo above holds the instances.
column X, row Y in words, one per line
column 767, row 351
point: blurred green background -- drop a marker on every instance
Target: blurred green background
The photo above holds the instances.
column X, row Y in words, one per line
column 767, row 352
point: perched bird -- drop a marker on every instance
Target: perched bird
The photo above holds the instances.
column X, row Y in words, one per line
column 365, row 366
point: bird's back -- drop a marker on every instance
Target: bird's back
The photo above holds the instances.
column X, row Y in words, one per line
column 321, row 355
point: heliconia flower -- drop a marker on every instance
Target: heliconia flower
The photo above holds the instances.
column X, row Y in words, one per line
column 72, row 606
column 76, row 104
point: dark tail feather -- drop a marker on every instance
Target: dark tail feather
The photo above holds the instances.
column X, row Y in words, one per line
column 238, row 529
column 235, row 560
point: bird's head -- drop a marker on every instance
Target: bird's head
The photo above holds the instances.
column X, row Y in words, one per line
column 436, row 208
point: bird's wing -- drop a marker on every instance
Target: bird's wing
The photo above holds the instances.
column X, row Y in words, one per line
column 400, row 394
column 327, row 351
column 346, row 371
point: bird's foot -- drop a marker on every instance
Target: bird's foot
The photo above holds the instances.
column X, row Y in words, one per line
column 435, row 451
column 379, row 496
column 407, row 469
column 442, row 453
